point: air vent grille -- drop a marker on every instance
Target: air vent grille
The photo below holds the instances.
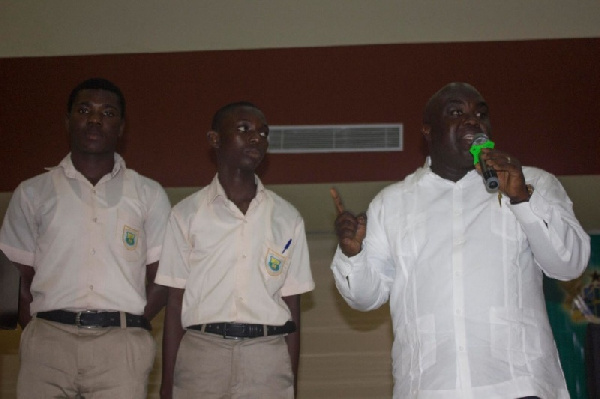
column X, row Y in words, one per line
column 335, row 138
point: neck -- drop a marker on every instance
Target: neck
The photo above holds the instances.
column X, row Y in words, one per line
column 93, row 166
column 240, row 187
column 448, row 173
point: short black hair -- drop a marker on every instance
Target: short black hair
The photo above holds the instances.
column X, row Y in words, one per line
column 97, row 84
column 434, row 99
column 222, row 112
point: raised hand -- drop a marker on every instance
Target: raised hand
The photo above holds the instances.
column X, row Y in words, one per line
column 350, row 230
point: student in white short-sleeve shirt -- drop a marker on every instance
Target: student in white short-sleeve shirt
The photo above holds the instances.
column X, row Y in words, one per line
column 86, row 237
column 235, row 259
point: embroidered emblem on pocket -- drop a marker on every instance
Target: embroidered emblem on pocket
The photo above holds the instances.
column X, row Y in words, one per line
column 130, row 237
column 274, row 263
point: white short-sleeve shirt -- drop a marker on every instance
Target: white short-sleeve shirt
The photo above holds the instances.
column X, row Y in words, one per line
column 89, row 245
column 235, row 267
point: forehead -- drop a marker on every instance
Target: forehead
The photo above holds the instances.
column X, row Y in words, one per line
column 97, row 96
column 244, row 113
column 459, row 95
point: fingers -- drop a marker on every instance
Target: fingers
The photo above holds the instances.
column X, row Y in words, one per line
column 509, row 170
column 346, row 225
column 361, row 227
column 500, row 161
column 337, row 200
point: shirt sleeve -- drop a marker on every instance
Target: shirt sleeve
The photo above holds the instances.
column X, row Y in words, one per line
column 559, row 244
column 299, row 277
column 364, row 280
column 173, row 267
column 19, row 233
column 155, row 224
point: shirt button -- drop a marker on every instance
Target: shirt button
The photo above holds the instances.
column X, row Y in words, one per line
column 93, row 251
column 244, row 256
column 91, row 288
column 95, row 220
column 458, row 311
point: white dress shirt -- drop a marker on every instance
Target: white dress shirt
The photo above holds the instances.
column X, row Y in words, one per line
column 89, row 245
column 463, row 275
column 235, row 267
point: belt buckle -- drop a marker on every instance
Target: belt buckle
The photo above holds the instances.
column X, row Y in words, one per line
column 78, row 318
column 225, row 328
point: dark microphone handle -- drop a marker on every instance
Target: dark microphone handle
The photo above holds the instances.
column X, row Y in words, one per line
column 490, row 177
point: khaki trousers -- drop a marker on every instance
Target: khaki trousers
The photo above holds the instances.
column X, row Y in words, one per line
column 209, row 366
column 64, row 361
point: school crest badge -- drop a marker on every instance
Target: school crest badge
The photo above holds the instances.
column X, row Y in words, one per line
column 274, row 263
column 130, row 237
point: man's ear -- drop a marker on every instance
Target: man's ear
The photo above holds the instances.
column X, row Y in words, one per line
column 214, row 139
column 426, row 131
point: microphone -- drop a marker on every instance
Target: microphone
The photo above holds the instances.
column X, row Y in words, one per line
column 490, row 178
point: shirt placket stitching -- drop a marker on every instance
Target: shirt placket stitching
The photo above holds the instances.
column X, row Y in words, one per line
column 463, row 378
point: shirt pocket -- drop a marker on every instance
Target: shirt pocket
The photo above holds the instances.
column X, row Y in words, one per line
column 131, row 240
column 517, row 335
column 274, row 266
column 427, row 341
column 415, row 348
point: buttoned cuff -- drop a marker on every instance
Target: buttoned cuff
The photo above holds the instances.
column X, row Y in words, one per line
column 346, row 265
column 533, row 210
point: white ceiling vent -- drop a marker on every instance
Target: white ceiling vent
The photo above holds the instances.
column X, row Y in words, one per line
column 335, row 138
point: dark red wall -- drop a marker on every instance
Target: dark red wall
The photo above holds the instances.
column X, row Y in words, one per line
column 544, row 98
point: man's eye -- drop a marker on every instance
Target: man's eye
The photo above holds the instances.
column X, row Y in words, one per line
column 109, row 113
column 82, row 111
column 456, row 112
column 243, row 129
column 263, row 134
column 482, row 115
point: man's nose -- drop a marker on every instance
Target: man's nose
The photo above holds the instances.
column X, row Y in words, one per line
column 471, row 119
column 95, row 117
column 254, row 136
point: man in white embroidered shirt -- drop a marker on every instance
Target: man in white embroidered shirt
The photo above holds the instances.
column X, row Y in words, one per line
column 463, row 267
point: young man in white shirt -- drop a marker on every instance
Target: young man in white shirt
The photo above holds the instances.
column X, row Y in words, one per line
column 235, row 259
column 86, row 237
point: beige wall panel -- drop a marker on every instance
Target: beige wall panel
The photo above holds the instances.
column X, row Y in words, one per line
column 70, row 27
column 313, row 201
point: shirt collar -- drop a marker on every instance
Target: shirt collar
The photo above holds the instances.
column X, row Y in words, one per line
column 216, row 190
column 69, row 169
column 425, row 170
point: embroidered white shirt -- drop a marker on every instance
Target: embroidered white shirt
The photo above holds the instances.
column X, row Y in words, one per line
column 463, row 276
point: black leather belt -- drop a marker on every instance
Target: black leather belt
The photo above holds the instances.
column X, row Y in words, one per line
column 237, row 330
column 94, row 319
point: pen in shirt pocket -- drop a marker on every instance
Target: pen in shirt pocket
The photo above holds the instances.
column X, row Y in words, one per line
column 286, row 246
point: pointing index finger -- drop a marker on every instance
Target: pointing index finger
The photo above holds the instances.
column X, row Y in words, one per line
column 336, row 200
